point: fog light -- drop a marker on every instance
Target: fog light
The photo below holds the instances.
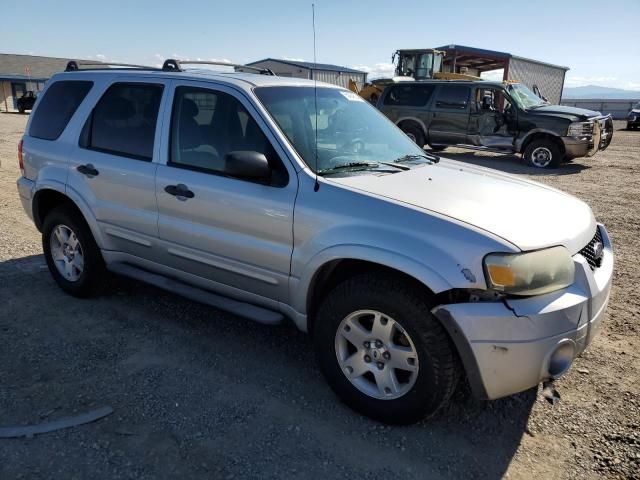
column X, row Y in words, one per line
column 561, row 359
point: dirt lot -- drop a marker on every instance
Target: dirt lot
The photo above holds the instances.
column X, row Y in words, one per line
column 200, row 393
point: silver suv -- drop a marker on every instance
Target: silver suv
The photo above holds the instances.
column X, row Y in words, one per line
column 274, row 198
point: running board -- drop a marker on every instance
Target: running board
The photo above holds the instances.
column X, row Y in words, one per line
column 504, row 151
column 246, row 310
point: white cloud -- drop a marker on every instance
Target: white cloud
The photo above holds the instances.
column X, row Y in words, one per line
column 379, row 70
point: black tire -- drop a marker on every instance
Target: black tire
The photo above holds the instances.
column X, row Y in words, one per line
column 437, row 148
column 91, row 280
column 544, row 147
column 404, row 302
column 414, row 132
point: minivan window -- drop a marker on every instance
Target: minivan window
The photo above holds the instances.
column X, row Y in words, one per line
column 57, row 107
column 454, row 97
column 208, row 124
column 409, row 95
column 124, row 121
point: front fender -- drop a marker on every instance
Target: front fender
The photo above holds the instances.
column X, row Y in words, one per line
column 300, row 287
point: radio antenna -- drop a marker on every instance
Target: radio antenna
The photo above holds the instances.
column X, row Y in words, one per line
column 316, row 185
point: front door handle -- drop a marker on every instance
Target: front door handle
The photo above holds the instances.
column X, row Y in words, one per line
column 88, row 170
column 180, row 191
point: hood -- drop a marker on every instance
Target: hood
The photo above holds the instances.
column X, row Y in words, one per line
column 635, row 110
column 526, row 214
column 581, row 114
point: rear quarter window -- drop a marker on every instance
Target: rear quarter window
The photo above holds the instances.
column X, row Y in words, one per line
column 409, row 95
column 56, row 108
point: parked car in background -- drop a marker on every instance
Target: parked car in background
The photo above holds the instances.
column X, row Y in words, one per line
column 633, row 118
column 506, row 117
column 272, row 198
column 26, row 101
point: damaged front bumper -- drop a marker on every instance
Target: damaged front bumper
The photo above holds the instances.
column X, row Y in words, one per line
column 598, row 138
column 511, row 346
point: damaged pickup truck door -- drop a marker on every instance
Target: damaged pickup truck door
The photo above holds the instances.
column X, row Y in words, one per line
column 493, row 119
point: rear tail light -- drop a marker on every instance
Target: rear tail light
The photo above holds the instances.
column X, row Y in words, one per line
column 20, row 157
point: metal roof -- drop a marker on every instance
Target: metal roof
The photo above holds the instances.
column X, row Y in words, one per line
column 20, row 78
column 492, row 58
column 39, row 67
column 310, row 65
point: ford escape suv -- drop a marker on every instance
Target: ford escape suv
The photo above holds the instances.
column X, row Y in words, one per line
column 274, row 198
column 504, row 117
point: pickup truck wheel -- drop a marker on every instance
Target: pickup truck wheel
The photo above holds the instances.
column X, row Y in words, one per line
column 543, row 154
column 415, row 134
column 382, row 351
column 437, row 148
column 72, row 255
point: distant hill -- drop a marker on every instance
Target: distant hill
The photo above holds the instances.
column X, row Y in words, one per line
column 593, row 91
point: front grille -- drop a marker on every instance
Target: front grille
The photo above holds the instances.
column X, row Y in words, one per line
column 589, row 252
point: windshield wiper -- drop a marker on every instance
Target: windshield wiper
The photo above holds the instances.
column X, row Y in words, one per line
column 426, row 156
column 349, row 166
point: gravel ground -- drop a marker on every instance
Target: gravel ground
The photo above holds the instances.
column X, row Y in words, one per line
column 201, row 393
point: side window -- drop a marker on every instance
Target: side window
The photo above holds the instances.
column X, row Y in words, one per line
column 409, row 95
column 124, row 121
column 453, row 97
column 57, row 107
column 206, row 125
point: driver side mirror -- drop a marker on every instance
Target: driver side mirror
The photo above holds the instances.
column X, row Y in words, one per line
column 247, row 164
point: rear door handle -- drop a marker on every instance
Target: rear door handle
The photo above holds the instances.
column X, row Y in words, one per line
column 88, row 170
column 180, row 191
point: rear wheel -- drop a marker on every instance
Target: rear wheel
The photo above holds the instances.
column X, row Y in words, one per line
column 382, row 351
column 543, row 153
column 72, row 255
column 414, row 132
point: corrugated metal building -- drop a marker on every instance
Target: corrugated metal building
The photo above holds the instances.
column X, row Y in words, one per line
column 322, row 72
column 21, row 73
column 533, row 73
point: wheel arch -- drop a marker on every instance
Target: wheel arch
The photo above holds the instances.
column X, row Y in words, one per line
column 320, row 279
column 412, row 121
column 47, row 198
column 542, row 135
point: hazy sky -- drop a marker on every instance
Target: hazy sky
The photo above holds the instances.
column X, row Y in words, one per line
column 598, row 40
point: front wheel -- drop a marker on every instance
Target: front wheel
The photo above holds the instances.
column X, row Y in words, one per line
column 543, row 154
column 382, row 351
column 437, row 148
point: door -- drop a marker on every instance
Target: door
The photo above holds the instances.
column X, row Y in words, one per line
column 17, row 90
column 112, row 166
column 407, row 101
column 493, row 119
column 236, row 233
column 450, row 115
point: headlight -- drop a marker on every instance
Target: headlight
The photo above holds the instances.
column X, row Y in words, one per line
column 580, row 129
column 530, row 273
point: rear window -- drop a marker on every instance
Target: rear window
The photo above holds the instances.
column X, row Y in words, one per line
column 409, row 95
column 56, row 108
column 454, row 97
column 124, row 121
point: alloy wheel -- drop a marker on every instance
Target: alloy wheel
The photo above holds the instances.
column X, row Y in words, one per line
column 66, row 252
column 376, row 354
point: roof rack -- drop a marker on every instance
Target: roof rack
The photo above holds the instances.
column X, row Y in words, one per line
column 74, row 65
column 172, row 65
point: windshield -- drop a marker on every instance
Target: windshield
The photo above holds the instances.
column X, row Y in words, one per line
column 524, row 97
column 350, row 130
